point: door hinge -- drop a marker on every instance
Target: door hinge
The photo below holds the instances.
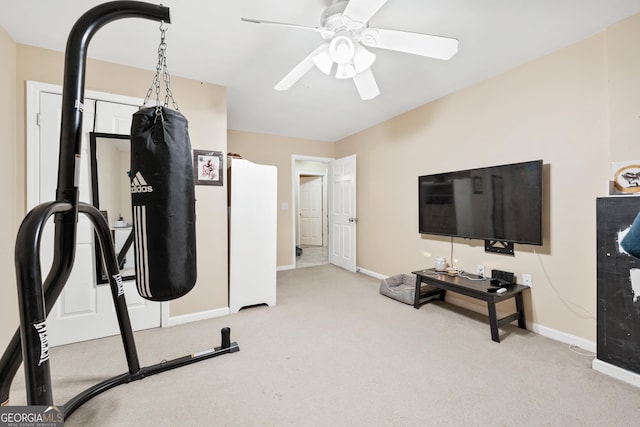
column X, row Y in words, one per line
column 37, row 119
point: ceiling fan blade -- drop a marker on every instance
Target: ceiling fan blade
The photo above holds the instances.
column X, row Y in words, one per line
column 282, row 24
column 358, row 12
column 419, row 44
column 366, row 84
column 299, row 70
column 323, row 61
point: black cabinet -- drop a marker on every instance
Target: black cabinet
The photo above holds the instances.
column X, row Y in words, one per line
column 618, row 335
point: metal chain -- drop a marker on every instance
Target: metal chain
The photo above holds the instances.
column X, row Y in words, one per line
column 161, row 69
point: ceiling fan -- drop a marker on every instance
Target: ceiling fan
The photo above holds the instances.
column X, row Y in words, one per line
column 344, row 26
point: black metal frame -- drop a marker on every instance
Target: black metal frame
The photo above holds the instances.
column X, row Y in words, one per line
column 101, row 271
column 35, row 298
column 499, row 247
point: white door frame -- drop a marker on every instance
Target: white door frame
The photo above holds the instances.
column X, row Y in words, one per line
column 295, row 183
column 33, row 145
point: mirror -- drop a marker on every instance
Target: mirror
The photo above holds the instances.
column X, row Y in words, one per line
column 110, row 185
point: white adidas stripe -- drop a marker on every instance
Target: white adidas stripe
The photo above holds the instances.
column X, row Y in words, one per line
column 141, row 179
column 142, row 255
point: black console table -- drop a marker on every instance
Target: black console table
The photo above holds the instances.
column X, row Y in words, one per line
column 477, row 289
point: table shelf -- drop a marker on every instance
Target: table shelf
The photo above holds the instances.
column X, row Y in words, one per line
column 437, row 284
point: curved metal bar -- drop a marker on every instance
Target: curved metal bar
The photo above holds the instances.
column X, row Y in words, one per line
column 125, row 248
column 115, row 281
column 33, row 316
column 74, row 77
column 33, row 330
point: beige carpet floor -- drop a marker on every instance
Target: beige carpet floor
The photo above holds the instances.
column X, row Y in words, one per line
column 334, row 352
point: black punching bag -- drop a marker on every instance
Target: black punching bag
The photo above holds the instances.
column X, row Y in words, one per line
column 163, row 203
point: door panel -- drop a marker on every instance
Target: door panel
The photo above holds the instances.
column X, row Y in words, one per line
column 76, row 309
column 112, row 117
column 78, row 299
column 311, row 210
column 343, row 213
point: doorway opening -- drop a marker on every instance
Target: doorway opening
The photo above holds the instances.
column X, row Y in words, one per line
column 311, row 211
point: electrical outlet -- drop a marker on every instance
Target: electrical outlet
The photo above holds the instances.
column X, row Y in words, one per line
column 480, row 270
column 526, row 280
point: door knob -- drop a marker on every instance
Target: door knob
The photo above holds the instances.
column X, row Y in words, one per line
column 353, row 219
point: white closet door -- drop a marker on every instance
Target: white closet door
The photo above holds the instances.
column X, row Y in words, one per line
column 84, row 309
column 76, row 315
column 112, row 117
column 252, row 234
column 116, row 118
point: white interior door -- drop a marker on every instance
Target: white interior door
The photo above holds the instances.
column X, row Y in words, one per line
column 84, row 310
column 74, row 313
column 342, row 237
column 116, row 118
column 311, row 210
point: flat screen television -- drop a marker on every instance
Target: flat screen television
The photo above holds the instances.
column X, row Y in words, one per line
column 499, row 203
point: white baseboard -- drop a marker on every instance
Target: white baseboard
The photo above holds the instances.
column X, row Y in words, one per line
column 371, row 273
column 285, row 267
column 616, row 372
column 482, row 309
column 194, row 317
column 556, row 335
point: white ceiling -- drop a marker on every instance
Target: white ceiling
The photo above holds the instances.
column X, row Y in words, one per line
column 208, row 42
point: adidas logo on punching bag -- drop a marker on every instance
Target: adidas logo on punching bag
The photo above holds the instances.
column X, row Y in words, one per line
column 139, row 185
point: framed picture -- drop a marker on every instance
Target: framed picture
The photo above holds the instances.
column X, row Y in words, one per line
column 207, row 167
column 626, row 177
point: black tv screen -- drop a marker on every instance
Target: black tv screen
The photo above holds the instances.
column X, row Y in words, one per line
column 502, row 203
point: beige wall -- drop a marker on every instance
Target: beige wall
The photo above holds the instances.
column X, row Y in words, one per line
column 624, row 88
column 554, row 109
column 278, row 151
column 8, row 213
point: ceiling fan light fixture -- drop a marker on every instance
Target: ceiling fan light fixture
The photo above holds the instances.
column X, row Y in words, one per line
column 347, row 35
column 346, row 71
column 362, row 58
column 341, row 49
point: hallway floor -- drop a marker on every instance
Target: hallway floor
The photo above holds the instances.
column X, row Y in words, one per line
column 312, row 255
